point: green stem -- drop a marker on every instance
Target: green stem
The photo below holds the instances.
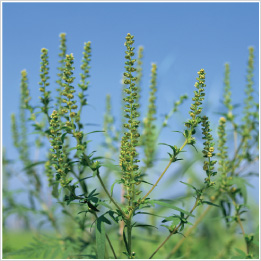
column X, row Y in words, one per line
column 112, row 249
column 241, row 226
column 128, row 224
column 108, row 194
column 188, row 232
column 174, row 231
column 162, row 174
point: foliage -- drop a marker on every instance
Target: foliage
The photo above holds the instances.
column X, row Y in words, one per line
column 86, row 219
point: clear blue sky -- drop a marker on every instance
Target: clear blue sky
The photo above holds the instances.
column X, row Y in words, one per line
column 180, row 37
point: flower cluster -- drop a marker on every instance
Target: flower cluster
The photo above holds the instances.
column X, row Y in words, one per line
column 149, row 126
column 57, row 156
column 222, row 149
column 25, row 95
column 62, row 54
column 139, row 73
column 195, row 109
column 110, row 133
column 250, row 117
column 44, row 71
column 24, row 105
column 84, row 84
column 208, row 151
column 227, row 93
column 198, row 98
column 14, row 130
column 49, row 170
column 128, row 154
column 68, row 91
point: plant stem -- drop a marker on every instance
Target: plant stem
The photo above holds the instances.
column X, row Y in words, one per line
column 241, row 227
column 174, row 231
column 128, row 224
column 188, row 232
column 162, row 174
column 112, row 249
column 108, row 194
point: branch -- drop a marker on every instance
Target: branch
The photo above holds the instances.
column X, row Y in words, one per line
column 108, row 194
column 162, row 174
column 175, row 230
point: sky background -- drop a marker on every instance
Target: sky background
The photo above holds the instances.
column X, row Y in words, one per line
column 181, row 38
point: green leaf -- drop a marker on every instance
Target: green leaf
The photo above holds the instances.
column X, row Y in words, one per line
column 33, row 164
column 105, row 204
column 144, row 226
column 171, row 206
column 94, row 132
column 100, row 238
column 188, row 185
column 241, row 184
column 175, row 220
column 147, row 213
column 210, row 203
column 143, row 181
column 63, row 137
column 241, row 253
column 73, row 148
column 112, row 186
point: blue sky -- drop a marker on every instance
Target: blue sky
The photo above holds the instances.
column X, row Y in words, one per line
column 180, row 37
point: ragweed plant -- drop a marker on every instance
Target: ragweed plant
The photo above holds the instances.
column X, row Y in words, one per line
column 149, row 125
column 71, row 171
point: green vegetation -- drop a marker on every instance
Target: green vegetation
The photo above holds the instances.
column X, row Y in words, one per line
column 88, row 219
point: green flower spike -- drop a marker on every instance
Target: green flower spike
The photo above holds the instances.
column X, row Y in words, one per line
column 249, row 120
column 70, row 103
column 62, row 54
column 84, row 84
column 208, row 151
column 108, row 125
column 139, row 73
column 25, row 95
column 128, row 154
column 149, row 125
column 15, row 133
column 195, row 108
column 24, row 105
column 222, row 149
column 44, row 71
column 227, row 93
column 57, row 155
